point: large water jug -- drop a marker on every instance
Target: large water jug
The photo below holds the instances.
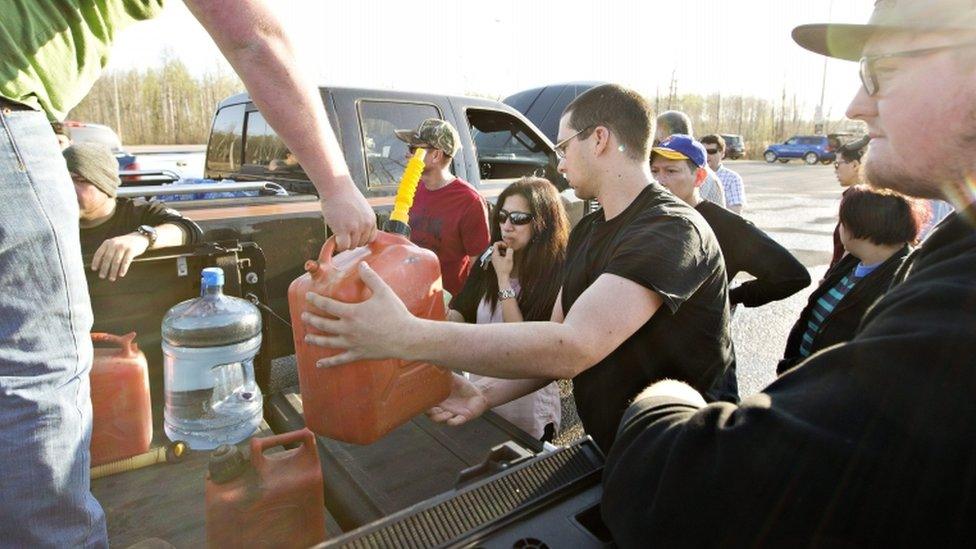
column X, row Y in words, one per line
column 362, row 401
column 209, row 345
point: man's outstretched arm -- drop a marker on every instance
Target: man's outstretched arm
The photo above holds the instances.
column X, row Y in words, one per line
column 602, row 318
column 253, row 41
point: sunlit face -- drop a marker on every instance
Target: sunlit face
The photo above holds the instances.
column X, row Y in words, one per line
column 714, row 156
column 922, row 120
column 516, row 237
column 433, row 158
column 845, row 236
column 91, row 201
column 847, row 172
column 574, row 164
column 676, row 176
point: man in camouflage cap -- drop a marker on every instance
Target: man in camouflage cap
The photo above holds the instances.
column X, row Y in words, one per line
column 869, row 442
column 433, row 133
column 448, row 215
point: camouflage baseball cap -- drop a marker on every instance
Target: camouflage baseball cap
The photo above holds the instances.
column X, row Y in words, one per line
column 433, row 132
column 845, row 41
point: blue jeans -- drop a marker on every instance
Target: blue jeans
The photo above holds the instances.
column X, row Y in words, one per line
column 45, row 347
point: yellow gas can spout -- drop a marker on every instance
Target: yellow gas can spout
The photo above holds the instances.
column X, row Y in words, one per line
column 399, row 221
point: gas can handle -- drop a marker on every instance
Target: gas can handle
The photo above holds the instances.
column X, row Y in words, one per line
column 384, row 238
column 259, row 445
column 325, row 256
column 126, row 343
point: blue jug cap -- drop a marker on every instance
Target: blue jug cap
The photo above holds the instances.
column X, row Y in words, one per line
column 213, row 276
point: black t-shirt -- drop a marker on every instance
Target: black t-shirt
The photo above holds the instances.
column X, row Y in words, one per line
column 662, row 244
column 746, row 248
column 129, row 215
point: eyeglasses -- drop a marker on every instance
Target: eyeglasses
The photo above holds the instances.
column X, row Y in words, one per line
column 869, row 73
column 560, row 147
column 413, row 148
column 517, row 218
column 712, row 151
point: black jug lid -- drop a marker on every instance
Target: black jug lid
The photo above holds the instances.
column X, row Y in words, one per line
column 226, row 463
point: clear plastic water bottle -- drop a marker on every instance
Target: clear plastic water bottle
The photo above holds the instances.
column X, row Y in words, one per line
column 209, row 345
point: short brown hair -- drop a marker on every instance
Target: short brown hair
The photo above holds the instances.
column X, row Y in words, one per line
column 881, row 216
column 623, row 111
column 713, row 139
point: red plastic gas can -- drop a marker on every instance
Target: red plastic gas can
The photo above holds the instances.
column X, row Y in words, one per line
column 360, row 402
column 122, row 413
column 276, row 500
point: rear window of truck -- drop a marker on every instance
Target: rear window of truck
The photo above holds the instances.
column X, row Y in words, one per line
column 385, row 154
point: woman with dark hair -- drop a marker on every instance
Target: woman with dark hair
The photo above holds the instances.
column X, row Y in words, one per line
column 518, row 280
column 877, row 228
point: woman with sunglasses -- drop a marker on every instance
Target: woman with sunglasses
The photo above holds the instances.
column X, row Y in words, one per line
column 518, row 280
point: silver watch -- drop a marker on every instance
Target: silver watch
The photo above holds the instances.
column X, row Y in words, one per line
column 507, row 293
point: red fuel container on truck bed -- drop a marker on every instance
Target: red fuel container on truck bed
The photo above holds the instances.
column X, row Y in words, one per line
column 121, row 410
column 362, row 401
column 275, row 500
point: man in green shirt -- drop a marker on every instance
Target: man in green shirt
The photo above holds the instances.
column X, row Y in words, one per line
column 51, row 52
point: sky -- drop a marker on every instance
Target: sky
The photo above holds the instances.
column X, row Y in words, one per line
column 499, row 47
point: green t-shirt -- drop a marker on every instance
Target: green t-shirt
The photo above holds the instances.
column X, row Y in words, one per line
column 52, row 51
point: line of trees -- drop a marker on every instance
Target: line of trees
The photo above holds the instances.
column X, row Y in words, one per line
column 168, row 105
column 759, row 121
column 164, row 105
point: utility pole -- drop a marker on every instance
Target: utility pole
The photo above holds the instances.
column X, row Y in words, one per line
column 672, row 90
column 718, row 114
column 118, row 112
column 819, row 121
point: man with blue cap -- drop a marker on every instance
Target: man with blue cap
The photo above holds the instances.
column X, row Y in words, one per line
column 679, row 163
column 869, row 442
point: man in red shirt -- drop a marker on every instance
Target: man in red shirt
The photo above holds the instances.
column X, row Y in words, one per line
column 448, row 215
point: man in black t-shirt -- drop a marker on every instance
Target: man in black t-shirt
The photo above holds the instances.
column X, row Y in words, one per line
column 114, row 231
column 644, row 292
column 678, row 163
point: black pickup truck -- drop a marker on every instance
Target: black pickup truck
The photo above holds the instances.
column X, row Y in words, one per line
column 263, row 241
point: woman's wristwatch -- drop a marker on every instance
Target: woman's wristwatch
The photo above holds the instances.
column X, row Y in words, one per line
column 507, row 293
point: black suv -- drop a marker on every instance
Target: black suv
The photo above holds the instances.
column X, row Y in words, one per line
column 735, row 147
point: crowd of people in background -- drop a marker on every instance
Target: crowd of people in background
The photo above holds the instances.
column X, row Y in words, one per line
column 864, row 438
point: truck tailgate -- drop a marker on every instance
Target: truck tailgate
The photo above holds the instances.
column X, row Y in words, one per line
column 418, row 460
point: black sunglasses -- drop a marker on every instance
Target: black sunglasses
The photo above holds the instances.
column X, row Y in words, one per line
column 517, row 218
column 869, row 74
column 712, row 151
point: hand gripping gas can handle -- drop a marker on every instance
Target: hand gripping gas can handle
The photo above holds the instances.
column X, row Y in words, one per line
column 259, row 445
column 328, row 249
column 126, row 343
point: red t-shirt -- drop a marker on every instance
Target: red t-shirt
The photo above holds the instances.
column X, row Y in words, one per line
column 453, row 223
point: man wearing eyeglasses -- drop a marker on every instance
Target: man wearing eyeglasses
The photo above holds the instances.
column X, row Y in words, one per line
column 644, row 293
column 870, row 442
column 448, row 216
column 735, row 192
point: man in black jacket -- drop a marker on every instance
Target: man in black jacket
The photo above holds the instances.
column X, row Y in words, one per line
column 678, row 163
column 870, row 442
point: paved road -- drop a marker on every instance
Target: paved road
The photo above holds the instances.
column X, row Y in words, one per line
column 796, row 205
